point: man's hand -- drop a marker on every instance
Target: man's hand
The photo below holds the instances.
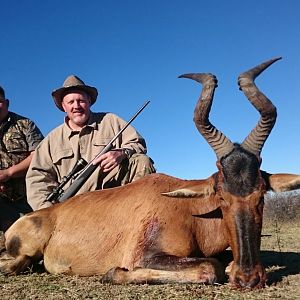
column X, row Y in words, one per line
column 110, row 160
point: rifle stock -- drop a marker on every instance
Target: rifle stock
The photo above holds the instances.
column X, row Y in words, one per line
column 87, row 171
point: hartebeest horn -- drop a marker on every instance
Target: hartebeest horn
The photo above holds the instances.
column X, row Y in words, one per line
column 257, row 137
column 215, row 138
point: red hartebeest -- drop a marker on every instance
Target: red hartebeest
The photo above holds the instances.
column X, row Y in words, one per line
column 148, row 231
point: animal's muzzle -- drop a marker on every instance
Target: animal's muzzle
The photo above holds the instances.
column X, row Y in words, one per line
column 256, row 278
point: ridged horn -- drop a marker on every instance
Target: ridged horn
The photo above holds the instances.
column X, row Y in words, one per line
column 215, row 138
column 255, row 140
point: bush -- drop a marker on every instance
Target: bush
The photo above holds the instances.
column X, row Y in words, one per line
column 282, row 207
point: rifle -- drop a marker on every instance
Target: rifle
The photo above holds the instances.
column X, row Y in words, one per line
column 83, row 170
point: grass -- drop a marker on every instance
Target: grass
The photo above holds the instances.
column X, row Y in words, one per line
column 280, row 252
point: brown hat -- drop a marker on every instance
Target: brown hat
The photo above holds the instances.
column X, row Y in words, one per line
column 73, row 82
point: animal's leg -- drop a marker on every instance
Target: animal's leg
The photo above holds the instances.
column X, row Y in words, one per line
column 228, row 269
column 169, row 269
column 25, row 242
column 10, row 265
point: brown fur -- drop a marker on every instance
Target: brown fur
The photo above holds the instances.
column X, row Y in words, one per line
column 131, row 227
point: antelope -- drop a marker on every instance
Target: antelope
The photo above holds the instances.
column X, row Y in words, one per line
column 161, row 229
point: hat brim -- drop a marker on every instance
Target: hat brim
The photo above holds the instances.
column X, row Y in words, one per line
column 61, row 92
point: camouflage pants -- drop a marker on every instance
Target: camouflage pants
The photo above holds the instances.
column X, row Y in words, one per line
column 132, row 169
column 11, row 211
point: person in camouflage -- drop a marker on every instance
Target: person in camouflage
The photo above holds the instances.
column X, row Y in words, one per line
column 19, row 137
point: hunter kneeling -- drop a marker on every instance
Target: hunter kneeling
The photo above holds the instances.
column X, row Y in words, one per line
column 82, row 136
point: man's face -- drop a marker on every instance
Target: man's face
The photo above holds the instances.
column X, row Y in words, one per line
column 3, row 108
column 77, row 106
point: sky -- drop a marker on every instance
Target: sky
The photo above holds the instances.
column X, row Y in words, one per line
column 134, row 50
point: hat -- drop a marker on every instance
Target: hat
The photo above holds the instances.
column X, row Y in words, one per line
column 73, row 82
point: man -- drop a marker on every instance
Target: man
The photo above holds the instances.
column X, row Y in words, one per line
column 83, row 135
column 19, row 137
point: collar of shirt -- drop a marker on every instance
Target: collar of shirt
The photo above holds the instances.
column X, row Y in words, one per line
column 90, row 123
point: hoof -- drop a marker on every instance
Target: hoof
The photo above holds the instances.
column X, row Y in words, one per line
column 114, row 275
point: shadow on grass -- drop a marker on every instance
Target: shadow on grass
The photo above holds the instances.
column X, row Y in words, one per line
column 288, row 263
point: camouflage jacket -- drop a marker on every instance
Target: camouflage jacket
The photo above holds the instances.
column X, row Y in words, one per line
column 18, row 137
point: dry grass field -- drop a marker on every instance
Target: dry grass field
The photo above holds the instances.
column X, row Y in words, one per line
column 280, row 253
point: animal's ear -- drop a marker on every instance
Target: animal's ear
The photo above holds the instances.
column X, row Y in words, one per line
column 281, row 182
column 194, row 189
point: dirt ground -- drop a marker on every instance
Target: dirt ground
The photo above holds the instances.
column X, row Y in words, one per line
column 280, row 254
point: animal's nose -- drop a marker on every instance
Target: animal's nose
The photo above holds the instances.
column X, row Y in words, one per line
column 249, row 283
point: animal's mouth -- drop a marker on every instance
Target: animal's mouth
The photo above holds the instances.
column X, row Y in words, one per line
column 247, row 279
